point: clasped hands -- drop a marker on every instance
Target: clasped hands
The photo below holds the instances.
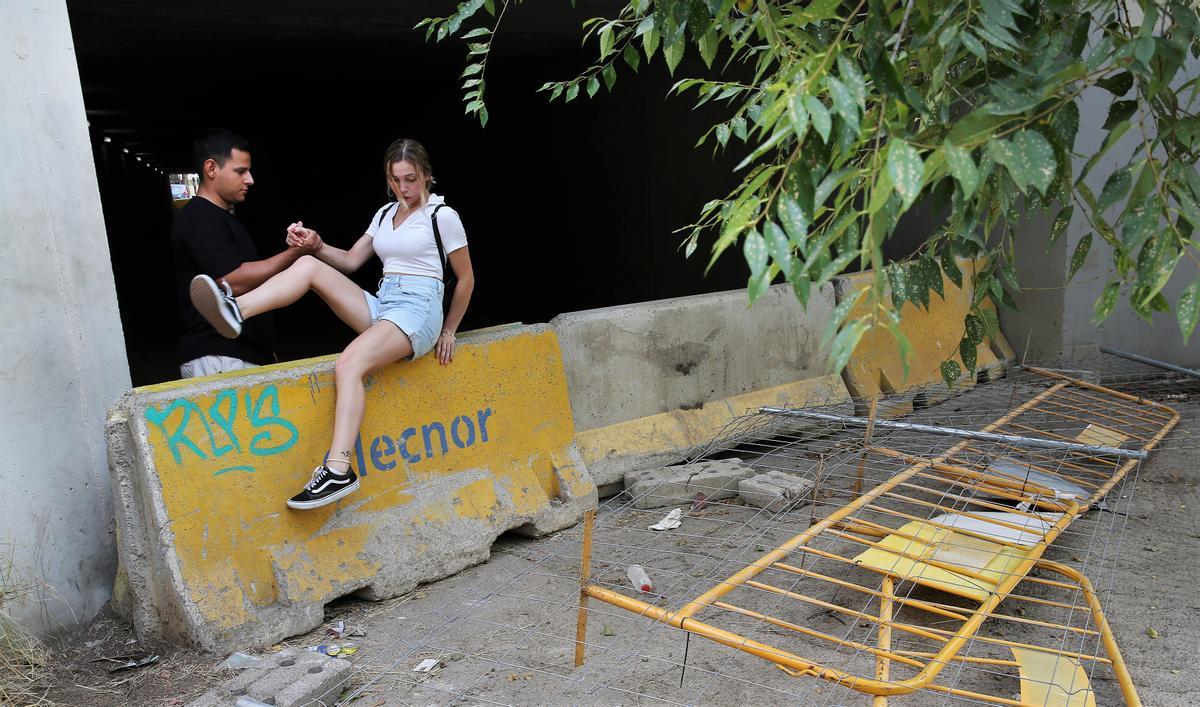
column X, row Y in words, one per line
column 305, row 239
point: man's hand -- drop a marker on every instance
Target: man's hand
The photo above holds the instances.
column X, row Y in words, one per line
column 305, row 239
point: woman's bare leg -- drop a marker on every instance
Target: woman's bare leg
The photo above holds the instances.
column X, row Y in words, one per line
column 381, row 344
column 341, row 294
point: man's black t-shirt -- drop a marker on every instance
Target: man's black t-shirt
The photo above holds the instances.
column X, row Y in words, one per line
column 208, row 240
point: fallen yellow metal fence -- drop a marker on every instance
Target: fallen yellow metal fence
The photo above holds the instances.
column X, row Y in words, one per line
column 947, row 537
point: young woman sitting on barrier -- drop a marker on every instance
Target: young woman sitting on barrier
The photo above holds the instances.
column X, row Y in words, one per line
column 402, row 321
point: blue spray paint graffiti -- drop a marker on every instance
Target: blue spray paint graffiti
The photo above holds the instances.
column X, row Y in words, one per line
column 462, row 433
column 277, row 434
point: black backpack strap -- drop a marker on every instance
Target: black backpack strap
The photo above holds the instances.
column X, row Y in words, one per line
column 383, row 213
column 437, row 238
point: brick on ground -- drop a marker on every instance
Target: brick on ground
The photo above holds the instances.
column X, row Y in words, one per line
column 674, row 485
column 291, row 678
column 775, row 491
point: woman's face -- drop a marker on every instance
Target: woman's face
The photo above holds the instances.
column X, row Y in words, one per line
column 407, row 183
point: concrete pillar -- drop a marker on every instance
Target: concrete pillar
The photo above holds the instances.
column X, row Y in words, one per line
column 62, row 351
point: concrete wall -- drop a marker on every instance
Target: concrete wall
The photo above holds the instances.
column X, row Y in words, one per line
column 1056, row 317
column 62, row 350
column 647, row 358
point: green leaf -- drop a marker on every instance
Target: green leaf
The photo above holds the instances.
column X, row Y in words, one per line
column 1187, row 311
column 477, row 32
column 843, row 102
column 1104, row 305
column 793, row 219
column 649, row 38
column 1141, row 222
column 897, row 276
column 1116, row 188
column 853, row 80
column 631, row 57
column 673, row 53
column 593, row 85
column 968, row 352
column 572, row 92
column 1061, row 221
column 820, row 116
column 610, row 76
column 950, row 267
column 973, row 330
column 962, row 167
column 906, row 169
column 754, row 248
column 1080, row 255
column 1118, row 113
column 798, row 116
column 1028, row 157
column 974, row 46
column 1117, row 84
column 951, row 372
column 845, row 343
column 779, row 246
column 606, row 41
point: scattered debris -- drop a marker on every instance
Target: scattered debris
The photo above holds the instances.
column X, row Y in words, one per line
column 607, row 631
column 639, row 579
column 700, row 502
column 341, row 630
column 335, row 649
column 131, row 664
column 427, row 665
column 670, row 521
column 1151, row 632
column 240, row 661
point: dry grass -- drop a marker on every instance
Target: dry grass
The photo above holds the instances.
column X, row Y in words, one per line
column 23, row 658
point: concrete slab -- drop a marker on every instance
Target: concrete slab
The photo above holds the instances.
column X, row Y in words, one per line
column 293, row 678
column 875, row 367
column 648, row 358
column 675, row 485
column 450, row 458
column 775, row 491
column 612, row 451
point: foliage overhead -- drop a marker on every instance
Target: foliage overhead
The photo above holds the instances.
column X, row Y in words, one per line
column 849, row 112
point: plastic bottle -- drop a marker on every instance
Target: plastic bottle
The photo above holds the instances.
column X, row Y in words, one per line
column 639, row 578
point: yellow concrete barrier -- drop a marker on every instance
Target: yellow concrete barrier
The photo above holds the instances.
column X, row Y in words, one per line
column 875, row 367
column 663, row 438
column 450, row 457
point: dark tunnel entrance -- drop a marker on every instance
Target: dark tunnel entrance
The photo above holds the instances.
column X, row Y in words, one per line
column 567, row 207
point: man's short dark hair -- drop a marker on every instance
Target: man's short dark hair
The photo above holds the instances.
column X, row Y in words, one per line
column 216, row 145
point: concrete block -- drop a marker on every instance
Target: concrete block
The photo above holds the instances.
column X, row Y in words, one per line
column 450, row 457
column 294, row 678
column 676, row 485
column 875, row 367
column 648, row 358
column 611, row 452
column 775, row 491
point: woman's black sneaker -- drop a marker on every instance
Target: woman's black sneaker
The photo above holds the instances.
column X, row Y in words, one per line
column 324, row 487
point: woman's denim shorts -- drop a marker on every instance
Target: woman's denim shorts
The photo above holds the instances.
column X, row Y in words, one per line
column 414, row 304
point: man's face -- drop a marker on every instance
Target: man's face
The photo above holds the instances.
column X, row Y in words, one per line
column 231, row 180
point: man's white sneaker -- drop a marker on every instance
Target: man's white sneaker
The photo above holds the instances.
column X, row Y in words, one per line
column 217, row 306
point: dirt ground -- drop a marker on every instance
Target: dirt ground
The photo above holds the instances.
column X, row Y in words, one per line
column 504, row 631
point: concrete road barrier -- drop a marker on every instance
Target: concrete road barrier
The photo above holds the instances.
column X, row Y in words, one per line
column 875, row 367
column 450, row 457
column 648, row 366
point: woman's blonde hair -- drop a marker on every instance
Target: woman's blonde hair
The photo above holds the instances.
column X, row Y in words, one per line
column 411, row 151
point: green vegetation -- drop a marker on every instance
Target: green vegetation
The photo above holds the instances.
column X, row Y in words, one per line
column 851, row 112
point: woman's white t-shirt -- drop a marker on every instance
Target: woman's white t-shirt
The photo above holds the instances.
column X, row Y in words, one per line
column 411, row 249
